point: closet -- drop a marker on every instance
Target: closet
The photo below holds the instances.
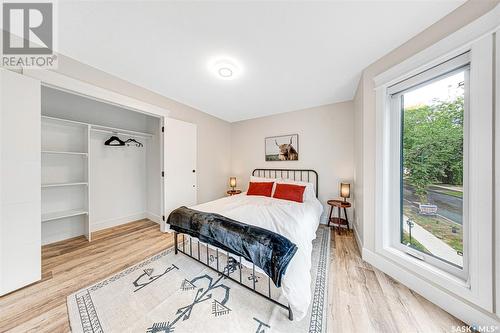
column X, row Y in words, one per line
column 75, row 159
column 90, row 182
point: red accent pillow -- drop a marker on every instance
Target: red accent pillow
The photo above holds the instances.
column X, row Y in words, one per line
column 289, row 192
column 264, row 188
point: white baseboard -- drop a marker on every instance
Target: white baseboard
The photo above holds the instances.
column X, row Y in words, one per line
column 153, row 217
column 117, row 221
column 58, row 230
column 456, row 306
column 356, row 237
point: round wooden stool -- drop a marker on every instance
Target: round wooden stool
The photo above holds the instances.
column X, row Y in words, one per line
column 338, row 221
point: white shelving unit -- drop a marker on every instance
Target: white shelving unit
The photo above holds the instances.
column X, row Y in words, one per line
column 61, row 215
column 66, row 178
column 64, row 152
column 64, row 185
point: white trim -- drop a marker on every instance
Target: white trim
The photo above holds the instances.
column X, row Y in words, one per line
column 497, row 170
column 357, row 238
column 452, row 45
column 153, row 217
column 431, row 74
column 480, row 194
column 456, row 306
column 104, row 224
column 476, row 37
column 74, row 86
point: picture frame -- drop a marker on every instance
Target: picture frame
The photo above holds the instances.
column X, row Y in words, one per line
column 281, row 148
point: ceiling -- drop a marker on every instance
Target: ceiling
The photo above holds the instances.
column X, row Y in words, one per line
column 293, row 55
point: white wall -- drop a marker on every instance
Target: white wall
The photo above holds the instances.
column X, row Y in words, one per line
column 118, row 188
column 358, row 163
column 326, row 143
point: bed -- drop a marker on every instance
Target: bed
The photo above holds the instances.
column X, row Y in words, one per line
column 297, row 222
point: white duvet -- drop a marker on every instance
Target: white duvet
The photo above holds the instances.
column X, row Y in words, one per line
column 296, row 221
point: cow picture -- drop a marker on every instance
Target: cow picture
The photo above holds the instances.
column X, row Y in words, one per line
column 282, row 148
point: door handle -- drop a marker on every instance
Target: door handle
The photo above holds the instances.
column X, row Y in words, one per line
column 194, row 170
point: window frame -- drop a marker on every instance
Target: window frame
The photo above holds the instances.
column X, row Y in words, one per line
column 395, row 93
column 477, row 285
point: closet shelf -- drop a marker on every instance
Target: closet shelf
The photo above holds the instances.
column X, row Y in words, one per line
column 60, row 215
column 101, row 128
column 119, row 131
column 63, row 152
column 64, row 184
column 66, row 121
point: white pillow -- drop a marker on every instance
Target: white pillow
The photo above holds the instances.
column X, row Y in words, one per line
column 263, row 180
column 254, row 179
column 309, row 193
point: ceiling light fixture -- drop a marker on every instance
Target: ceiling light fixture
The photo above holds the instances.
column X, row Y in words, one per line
column 225, row 69
column 225, row 72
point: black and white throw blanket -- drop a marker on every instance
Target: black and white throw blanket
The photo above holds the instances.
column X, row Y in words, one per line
column 266, row 249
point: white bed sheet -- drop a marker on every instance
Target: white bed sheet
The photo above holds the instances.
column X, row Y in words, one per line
column 296, row 221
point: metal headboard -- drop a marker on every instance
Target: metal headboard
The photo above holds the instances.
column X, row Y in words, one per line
column 304, row 175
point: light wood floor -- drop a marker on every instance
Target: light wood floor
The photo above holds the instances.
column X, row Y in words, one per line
column 361, row 298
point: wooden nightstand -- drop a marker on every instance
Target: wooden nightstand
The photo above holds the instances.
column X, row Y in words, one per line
column 233, row 192
column 338, row 221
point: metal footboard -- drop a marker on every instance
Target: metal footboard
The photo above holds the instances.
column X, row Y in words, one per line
column 227, row 273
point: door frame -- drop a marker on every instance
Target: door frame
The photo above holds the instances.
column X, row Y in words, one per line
column 74, row 86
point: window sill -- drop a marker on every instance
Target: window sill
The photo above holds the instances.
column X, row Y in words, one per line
column 431, row 274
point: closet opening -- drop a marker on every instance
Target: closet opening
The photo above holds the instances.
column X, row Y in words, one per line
column 101, row 165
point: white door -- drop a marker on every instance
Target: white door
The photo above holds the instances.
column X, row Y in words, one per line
column 179, row 164
column 20, row 187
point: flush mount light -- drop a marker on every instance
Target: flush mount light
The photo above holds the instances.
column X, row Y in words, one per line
column 225, row 69
column 225, row 72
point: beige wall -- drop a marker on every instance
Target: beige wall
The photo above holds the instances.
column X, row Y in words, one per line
column 463, row 15
column 358, row 160
column 325, row 145
column 214, row 135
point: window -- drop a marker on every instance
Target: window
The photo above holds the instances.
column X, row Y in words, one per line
column 432, row 114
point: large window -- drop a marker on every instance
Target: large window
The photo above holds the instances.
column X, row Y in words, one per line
column 434, row 176
column 432, row 111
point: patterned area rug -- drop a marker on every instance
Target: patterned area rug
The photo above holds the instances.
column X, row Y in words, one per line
column 169, row 292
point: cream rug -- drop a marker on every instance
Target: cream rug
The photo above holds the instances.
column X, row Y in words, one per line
column 169, row 292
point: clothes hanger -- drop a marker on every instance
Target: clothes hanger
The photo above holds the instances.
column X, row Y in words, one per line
column 114, row 141
column 137, row 143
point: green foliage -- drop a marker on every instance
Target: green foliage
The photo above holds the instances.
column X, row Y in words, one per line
column 433, row 145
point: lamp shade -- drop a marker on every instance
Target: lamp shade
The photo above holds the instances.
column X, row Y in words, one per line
column 345, row 190
column 232, row 182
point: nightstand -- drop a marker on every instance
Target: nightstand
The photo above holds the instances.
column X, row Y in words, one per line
column 338, row 221
column 233, row 192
